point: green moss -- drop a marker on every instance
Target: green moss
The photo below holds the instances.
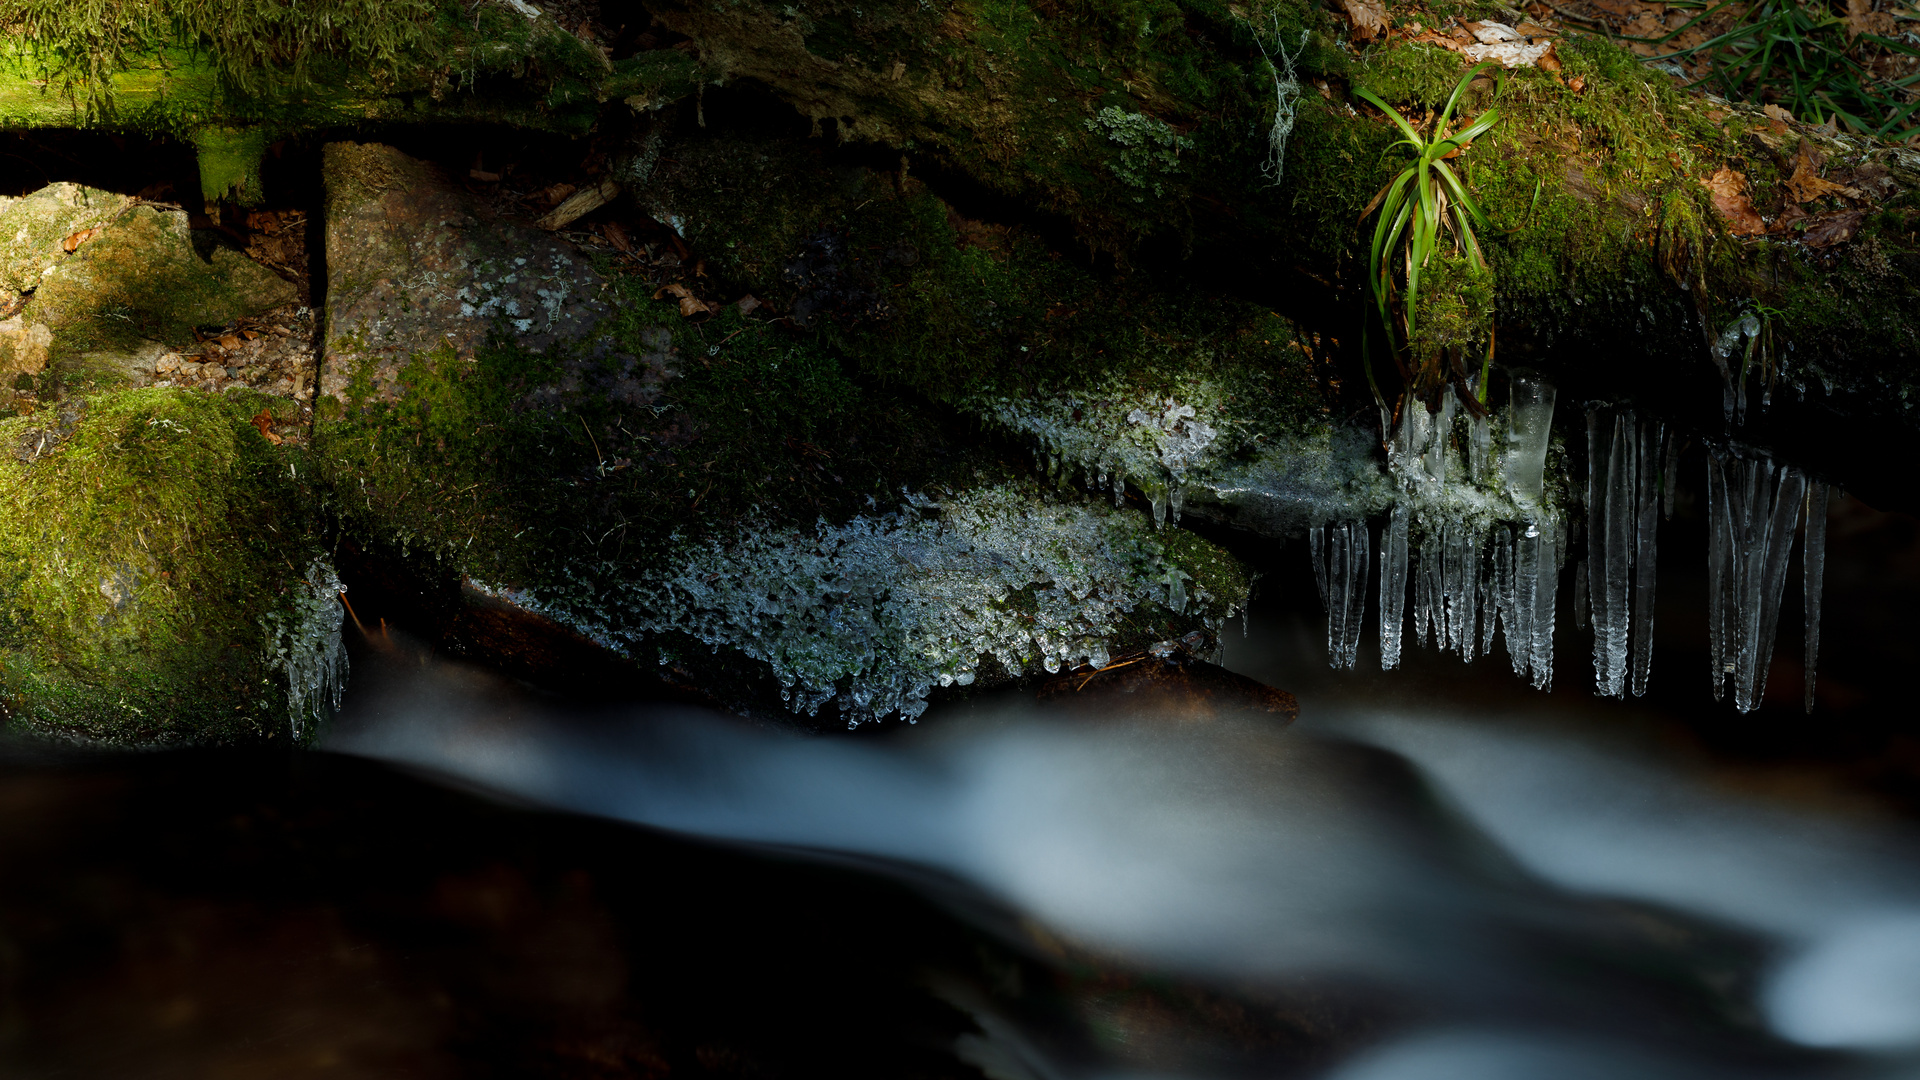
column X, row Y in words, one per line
column 230, row 163
column 144, row 535
column 1419, row 75
column 141, row 281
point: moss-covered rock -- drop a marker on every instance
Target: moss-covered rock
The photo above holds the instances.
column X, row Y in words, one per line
column 597, row 465
column 161, row 578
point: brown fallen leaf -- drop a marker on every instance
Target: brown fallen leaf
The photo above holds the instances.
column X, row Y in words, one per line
column 1862, row 19
column 690, row 305
column 1729, row 190
column 1835, row 227
column 73, row 242
column 1369, row 17
column 553, row 194
column 1805, row 184
column 263, row 421
column 1777, row 114
column 616, row 236
column 1577, row 84
column 484, row 176
column 229, row 341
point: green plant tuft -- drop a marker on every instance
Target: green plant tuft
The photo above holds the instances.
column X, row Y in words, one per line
column 1416, row 209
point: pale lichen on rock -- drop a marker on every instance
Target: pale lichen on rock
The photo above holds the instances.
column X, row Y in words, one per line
column 873, row 614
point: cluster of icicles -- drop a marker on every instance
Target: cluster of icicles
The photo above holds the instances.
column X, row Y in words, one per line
column 1485, row 563
column 1475, row 572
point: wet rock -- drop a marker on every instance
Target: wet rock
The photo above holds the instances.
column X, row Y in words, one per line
column 416, row 265
column 1168, row 680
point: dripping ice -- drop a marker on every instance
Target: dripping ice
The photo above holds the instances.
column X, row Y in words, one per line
column 1470, row 545
column 303, row 642
column 1753, row 508
column 1625, row 478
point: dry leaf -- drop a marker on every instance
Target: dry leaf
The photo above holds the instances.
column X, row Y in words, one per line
column 1577, row 84
column 73, row 242
column 229, row 341
column 616, row 236
column 1862, row 19
column 552, row 194
column 1505, row 45
column 484, row 176
column 263, row 420
column 690, row 305
column 1838, row 227
column 747, row 303
column 1729, row 191
column 1775, row 112
column 1805, row 183
column 1369, row 17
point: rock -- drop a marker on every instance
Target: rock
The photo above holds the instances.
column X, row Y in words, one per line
column 158, row 559
column 34, row 227
column 24, row 345
column 416, row 265
column 1167, row 680
column 104, row 286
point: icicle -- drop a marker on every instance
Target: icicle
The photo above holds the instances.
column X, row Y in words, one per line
column 1671, row 481
column 1437, row 436
column 1787, row 503
column 1340, row 570
column 1176, row 498
column 1356, row 593
column 1489, row 590
column 1813, row 572
column 1753, row 510
column 1530, row 422
column 1317, row 551
column 1516, row 624
column 1427, row 609
column 1393, row 587
column 1479, row 449
column 1538, row 570
column 1460, row 582
column 1645, row 554
column 1719, row 570
column 1610, row 522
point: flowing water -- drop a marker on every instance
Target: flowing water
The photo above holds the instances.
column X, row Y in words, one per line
column 1488, row 882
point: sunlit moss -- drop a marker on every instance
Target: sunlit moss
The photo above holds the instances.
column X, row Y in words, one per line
column 144, row 536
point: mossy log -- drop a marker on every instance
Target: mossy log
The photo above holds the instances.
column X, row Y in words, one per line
column 1613, row 270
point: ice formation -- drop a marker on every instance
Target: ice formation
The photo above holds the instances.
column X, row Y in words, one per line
column 1340, row 571
column 1489, row 544
column 1753, row 507
column 1624, row 485
column 304, row 642
column 1455, row 490
column 1183, row 452
column 874, row 613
